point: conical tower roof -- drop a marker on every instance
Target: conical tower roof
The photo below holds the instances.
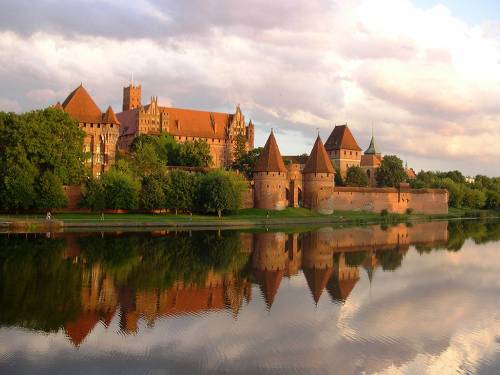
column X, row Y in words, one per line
column 341, row 138
column 317, row 279
column 269, row 282
column 109, row 117
column 80, row 106
column 270, row 159
column 318, row 161
column 372, row 148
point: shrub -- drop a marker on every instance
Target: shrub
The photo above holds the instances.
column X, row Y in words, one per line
column 409, row 211
column 384, row 212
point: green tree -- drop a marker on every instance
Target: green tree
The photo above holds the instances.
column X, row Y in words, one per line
column 180, row 191
column 17, row 191
column 152, row 193
column 474, row 198
column 356, row 176
column 455, row 191
column 93, row 195
column 121, row 190
column 192, row 154
column 492, row 199
column 339, row 181
column 245, row 163
column 220, row 191
column 391, row 172
column 50, row 192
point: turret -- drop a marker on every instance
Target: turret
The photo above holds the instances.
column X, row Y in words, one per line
column 318, row 180
column 131, row 97
column 270, row 178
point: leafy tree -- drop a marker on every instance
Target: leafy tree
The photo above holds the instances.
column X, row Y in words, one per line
column 493, row 199
column 391, row 172
column 193, row 154
column 474, row 198
column 245, row 163
column 50, row 192
column 121, row 190
column 33, row 144
column 455, row 191
column 153, row 192
column 240, row 147
column 220, row 191
column 93, row 195
column 356, row 176
column 180, row 190
column 144, row 159
column 339, row 181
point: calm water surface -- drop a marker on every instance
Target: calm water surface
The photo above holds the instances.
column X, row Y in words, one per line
column 405, row 299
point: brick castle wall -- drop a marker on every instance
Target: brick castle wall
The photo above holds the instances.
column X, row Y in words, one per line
column 427, row 201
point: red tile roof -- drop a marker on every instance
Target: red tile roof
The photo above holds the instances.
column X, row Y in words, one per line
column 341, row 138
column 318, row 161
column 269, row 282
column 316, row 280
column 270, row 159
column 80, row 106
column 109, row 117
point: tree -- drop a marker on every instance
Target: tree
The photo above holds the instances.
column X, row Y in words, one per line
column 391, row 172
column 93, row 196
column 339, row 181
column 121, row 190
column 50, row 192
column 33, row 144
column 192, row 154
column 220, row 191
column 245, row 163
column 492, row 199
column 455, row 191
column 240, row 147
column 356, row 177
column 474, row 198
column 153, row 192
column 180, row 191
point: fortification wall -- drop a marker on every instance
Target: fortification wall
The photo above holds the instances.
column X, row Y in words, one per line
column 427, row 201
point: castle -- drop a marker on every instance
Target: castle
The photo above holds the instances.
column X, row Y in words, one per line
column 276, row 185
column 219, row 130
column 312, row 184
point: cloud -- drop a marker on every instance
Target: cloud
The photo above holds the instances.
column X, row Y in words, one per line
column 428, row 81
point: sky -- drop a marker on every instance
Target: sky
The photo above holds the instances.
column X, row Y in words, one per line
column 425, row 74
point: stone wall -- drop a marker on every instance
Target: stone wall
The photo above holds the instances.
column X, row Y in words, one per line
column 270, row 190
column 427, row 201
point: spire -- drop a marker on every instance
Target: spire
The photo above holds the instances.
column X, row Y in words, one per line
column 372, row 148
column 317, row 278
column 270, row 159
column 318, row 161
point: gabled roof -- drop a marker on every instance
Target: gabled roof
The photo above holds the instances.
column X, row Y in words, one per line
column 81, row 107
column 372, row 148
column 270, row 159
column 341, row 138
column 109, row 117
column 317, row 279
column 318, row 161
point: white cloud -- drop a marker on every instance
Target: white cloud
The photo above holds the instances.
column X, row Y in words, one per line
column 428, row 81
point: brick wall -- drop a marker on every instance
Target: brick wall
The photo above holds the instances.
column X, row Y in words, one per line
column 427, row 201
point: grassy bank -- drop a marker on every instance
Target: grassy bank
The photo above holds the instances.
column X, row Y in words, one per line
column 242, row 218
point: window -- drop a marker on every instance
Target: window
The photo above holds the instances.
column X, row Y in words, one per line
column 350, row 153
column 98, row 175
column 345, row 152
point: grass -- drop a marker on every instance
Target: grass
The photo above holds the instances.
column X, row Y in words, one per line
column 289, row 215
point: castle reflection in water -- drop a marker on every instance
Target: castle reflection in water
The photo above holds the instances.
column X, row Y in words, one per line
column 82, row 280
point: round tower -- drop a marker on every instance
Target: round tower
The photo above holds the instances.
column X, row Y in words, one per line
column 318, row 180
column 270, row 178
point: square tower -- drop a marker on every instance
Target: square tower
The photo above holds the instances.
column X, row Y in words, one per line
column 131, row 97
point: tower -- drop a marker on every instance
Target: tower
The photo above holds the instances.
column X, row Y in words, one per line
column 270, row 178
column 131, row 97
column 370, row 161
column 318, row 180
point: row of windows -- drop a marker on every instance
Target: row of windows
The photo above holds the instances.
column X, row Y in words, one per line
column 336, row 153
column 98, row 126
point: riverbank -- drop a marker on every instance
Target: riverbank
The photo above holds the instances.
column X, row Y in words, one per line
column 242, row 219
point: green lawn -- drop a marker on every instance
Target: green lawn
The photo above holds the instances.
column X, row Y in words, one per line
column 250, row 214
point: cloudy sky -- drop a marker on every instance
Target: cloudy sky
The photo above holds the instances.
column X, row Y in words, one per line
column 425, row 73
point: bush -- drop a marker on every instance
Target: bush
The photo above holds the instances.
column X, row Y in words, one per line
column 384, row 212
column 409, row 211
